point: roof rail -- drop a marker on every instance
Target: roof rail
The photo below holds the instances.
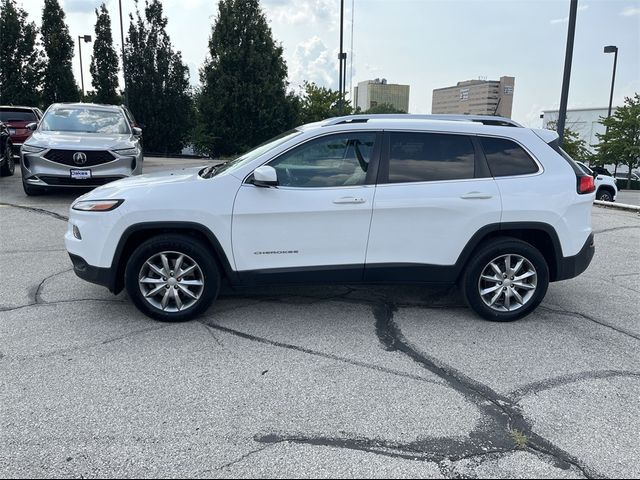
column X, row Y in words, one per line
column 363, row 118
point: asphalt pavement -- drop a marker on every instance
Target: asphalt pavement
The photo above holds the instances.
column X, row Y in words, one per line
column 345, row 381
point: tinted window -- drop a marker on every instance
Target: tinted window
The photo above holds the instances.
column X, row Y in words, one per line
column 332, row 161
column 507, row 158
column 17, row 116
column 424, row 157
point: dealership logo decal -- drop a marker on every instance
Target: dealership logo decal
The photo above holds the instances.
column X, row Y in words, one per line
column 80, row 158
column 276, row 252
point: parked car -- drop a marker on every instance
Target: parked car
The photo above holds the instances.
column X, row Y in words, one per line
column 623, row 178
column 606, row 188
column 362, row 199
column 80, row 145
column 7, row 165
column 601, row 170
column 17, row 119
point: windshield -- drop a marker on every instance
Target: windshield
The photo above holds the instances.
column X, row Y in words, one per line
column 17, row 116
column 84, row 120
column 256, row 152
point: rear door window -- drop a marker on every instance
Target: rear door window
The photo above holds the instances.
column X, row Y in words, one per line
column 428, row 157
column 17, row 116
column 506, row 158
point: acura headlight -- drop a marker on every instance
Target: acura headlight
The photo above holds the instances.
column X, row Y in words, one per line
column 97, row 205
column 128, row 151
column 31, row 149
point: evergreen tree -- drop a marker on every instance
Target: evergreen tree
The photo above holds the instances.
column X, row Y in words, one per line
column 157, row 82
column 59, row 83
column 104, row 61
column 620, row 144
column 20, row 59
column 243, row 100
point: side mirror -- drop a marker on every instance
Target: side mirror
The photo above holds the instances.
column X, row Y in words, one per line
column 32, row 126
column 137, row 131
column 265, row 176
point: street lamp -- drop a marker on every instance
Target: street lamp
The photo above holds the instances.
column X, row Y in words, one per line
column 612, row 49
column 86, row 39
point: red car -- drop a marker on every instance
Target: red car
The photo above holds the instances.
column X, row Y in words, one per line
column 16, row 119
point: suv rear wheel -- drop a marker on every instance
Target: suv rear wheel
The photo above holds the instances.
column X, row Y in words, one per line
column 172, row 278
column 506, row 280
column 605, row 195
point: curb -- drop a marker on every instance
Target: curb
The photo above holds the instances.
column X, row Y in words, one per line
column 618, row 206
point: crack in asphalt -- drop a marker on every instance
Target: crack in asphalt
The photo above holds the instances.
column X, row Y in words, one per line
column 615, row 229
column 242, row 457
column 40, row 211
column 547, row 384
column 591, row 319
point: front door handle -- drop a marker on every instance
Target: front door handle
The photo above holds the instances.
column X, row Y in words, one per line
column 348, row 200
column 476, row 196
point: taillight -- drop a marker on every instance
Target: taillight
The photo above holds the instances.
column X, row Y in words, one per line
column 586, row 184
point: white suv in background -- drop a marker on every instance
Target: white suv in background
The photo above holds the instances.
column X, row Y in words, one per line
column 606, row 188
column 382, row 199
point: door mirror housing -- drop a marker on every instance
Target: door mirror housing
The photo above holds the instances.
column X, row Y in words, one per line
column 137, row 131
column 32, row 126
column 265, row 176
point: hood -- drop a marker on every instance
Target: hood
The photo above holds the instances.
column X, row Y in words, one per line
column 146, row 182
column 80, row 141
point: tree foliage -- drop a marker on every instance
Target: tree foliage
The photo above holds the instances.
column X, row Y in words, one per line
column 318, row 103
column 243, row 100
column 383, row 108
column 157, row 82
column 59, row 84
column 104, row 61
column 20, row 57
column 575, row 147
column 620, row 144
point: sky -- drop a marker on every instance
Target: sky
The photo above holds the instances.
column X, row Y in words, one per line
column 426, row 44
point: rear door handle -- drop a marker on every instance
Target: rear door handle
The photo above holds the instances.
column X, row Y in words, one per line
column 347, row 200
column 476, row 196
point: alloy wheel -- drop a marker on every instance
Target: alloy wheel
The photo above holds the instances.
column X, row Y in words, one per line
column 507, row 283
column 171, row 281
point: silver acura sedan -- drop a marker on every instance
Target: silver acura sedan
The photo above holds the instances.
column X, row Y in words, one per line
column 80, row 145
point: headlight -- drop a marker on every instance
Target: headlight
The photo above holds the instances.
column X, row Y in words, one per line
column 128, row 151
column 32, row 149
column 97, row 205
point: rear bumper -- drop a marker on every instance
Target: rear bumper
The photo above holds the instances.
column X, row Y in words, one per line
column 97, row 275
column 573, row 266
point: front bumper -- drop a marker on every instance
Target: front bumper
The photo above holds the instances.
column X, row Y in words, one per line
column 97, row 275
column 570, row 267
column 40, row 171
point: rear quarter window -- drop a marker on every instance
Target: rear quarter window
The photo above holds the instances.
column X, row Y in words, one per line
column 506, row 158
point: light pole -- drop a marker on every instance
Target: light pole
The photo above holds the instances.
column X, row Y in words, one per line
column 568, row 57
column 124, row 73
column 86, row 39
column 343, row 61
column 612, row 49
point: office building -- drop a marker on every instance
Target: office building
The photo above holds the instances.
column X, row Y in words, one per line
column 372, row 93
column 475, row 97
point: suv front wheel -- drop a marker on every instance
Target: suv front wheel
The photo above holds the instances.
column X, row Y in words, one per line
column 172, row 278
column 506, row 280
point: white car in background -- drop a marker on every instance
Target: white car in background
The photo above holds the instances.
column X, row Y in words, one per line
column 606, row 189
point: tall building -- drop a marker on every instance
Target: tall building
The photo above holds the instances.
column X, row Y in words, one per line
column 372, row 93
column 475, row 97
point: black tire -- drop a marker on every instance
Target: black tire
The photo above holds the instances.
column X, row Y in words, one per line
column 604, row 195
column 179, row 244
column 32, row 190
column 495, row 249
column 9, row 165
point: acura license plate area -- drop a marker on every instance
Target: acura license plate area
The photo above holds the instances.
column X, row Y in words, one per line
column 80, row 174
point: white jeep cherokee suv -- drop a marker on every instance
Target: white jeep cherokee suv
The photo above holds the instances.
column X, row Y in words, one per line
column 480, row 201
